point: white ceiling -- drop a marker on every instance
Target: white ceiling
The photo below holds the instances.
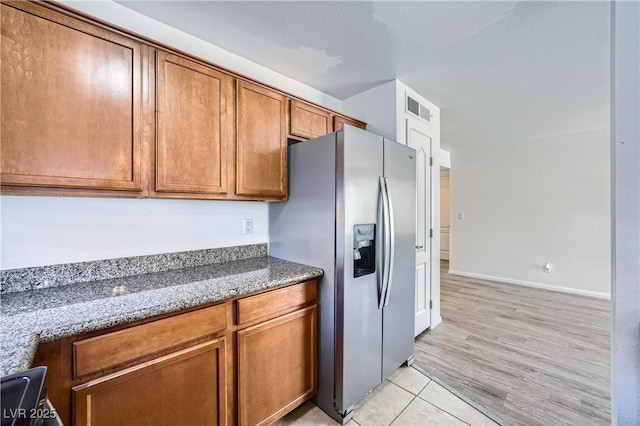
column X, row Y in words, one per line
column 501, row 72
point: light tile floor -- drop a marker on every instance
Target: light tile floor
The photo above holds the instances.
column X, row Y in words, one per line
column 408, row 397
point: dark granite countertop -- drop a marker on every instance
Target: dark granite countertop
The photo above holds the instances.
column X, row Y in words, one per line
column 47, row 314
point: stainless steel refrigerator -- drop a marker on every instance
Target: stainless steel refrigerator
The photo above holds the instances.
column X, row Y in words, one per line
column 352, row 212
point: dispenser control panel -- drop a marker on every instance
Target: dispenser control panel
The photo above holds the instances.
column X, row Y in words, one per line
column 364, row 249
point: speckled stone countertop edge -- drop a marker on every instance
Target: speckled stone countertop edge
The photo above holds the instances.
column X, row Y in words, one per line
column 20, row 334
column 31, row 278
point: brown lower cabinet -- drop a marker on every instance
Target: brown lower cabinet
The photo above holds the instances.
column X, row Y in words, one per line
column 248, row 360
column 276, row 366
column 186, row 387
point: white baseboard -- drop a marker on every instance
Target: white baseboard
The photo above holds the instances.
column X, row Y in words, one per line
column 436, row 323
column 598, row 295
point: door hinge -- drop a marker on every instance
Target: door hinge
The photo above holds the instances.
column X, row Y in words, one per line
column 430, row 304
column 431, row 161
column 431, row 233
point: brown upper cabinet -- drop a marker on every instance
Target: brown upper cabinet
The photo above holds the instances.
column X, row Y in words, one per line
column 339, row 121
column 194, row 125
column 262, row 142
column 71, row 102
column 308, row 121
column 87, row 109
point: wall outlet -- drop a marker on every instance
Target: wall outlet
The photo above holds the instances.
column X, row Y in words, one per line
column 546, row 268
column 460, row 216
column 247, row 226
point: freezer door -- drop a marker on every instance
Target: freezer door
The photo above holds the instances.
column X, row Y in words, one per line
column 399, row 302
column 358, row 318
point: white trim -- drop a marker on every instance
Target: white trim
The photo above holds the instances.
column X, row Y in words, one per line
column 569, row 290
column 435, row 323
column 444, row 158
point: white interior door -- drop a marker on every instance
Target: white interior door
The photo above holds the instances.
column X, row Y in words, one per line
column 418, row 138
column 444, row 214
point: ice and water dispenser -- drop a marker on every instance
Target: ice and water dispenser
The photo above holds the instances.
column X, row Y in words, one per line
column 364, row 249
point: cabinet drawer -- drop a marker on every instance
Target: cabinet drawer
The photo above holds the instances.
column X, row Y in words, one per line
column 274, row 303
column 97, row 353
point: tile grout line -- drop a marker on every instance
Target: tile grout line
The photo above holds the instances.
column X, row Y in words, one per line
column 402, row 411
column 415, row 394
column 442, row 409
column 462, row 397
column 411, row 402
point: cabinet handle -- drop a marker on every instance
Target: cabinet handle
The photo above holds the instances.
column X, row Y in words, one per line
column 419, row 247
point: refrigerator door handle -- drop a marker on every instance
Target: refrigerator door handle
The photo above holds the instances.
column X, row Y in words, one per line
column 392, row 243
column 386, row 232
column 380, row 244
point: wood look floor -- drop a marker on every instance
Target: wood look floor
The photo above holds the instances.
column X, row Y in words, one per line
column 530, row 356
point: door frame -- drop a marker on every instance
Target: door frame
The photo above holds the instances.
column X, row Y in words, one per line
column 434, row 210
column 445, row 169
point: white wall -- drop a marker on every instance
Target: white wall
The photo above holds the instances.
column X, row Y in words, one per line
column 527, row 203
column 130, row 20
column 376, row 107
column 625, row 343
column 49, row 230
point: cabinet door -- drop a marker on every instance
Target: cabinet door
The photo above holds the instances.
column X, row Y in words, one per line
column 339, row 121
column 194, row 126
column 184, row 388
column 71, row 102
column 277, row 366
column 262, row 142
column 308, row 121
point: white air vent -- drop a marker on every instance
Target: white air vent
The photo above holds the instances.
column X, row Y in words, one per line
column 416, row 108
